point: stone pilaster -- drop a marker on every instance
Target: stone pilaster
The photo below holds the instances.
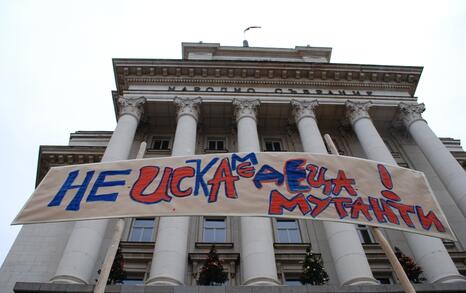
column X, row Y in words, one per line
column 132, row 106
column 169, row 262
column 440, row 158
column 410, row 113
column 303, row 109
column 83, row 247
column 245, row 108
column 357, row 110
column 429, row 252
column 188, row 106
column 257, row 252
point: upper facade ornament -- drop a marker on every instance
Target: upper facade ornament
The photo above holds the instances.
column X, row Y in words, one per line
column 132, row 106
column 188, row 106
column 304, row 108
column 245, row 108
column 357, row 110
column 410, row 113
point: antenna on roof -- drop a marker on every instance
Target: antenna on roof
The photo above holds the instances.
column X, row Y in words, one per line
column 245, row 42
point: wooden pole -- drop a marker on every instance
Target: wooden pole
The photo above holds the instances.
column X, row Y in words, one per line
column 397, row 268
column 115, row 242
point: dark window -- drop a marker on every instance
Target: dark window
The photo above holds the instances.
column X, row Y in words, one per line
column 364, row 234
column 215, row 230
column 384, row 279
column 160, row 143
column 273, row 146
column 216, row 144
column 288, row 231
column 133, row 281
column 142, row 230
column 292, row 281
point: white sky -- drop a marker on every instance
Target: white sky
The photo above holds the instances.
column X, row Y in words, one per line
column 56, row 72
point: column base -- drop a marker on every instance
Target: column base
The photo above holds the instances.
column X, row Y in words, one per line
column 361, row 281
column 163, row 281
column 451, row 279
column 261, row 281
column 66, row 279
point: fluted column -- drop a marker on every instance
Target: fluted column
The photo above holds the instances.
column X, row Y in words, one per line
column 257, row 252
column 348, row 255
column 429, row 252
column 443, row 162
column 171, row 246
column 82, row 250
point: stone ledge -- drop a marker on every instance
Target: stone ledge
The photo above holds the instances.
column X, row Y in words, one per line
column 27, row 287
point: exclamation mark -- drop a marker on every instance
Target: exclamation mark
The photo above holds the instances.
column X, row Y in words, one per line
column 387, row 182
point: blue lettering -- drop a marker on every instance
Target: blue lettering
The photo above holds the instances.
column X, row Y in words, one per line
column 295, row 173
column 251, row 157
column 68, row 185
column 268, row 174
column 100, row 182
column 200, row 175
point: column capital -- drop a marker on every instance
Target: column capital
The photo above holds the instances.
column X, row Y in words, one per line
column 410, row 113
column 304, row 108
column 357, row 110
column 245, row 108
column 188, row 106
column 132, row 106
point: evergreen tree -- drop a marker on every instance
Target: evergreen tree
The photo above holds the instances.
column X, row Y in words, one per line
column 212, row 273
column 412, row 270
column 313, row 270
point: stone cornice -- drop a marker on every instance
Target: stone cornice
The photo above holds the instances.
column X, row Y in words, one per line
column 52, row 156
column 155, row 71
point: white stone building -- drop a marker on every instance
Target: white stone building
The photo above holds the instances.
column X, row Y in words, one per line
column 229, row 99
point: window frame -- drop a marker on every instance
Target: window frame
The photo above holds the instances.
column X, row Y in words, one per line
column 216, row 138
column 162, row 138
column 132, row 226
column 360, row 228
column 273, row 140
column 277, row 233
column 203, row 229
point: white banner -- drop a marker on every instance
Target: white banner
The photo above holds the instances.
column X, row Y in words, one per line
column 293, row 185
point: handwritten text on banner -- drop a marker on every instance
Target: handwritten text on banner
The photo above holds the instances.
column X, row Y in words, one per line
column 296, row 185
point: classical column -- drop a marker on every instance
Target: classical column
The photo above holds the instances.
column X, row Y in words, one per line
column 446, row 166
column 171, row 246
column 429, row 252
column 347, row 252
column 82, row 250
column 257, row 252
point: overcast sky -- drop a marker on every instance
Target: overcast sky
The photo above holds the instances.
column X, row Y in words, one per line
column 56, row 60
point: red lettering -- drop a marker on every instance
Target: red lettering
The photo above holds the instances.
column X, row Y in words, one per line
column 178, row 175
column 385, row 176
column 382, row 212
column 359, row 206
column 320, row 181
column 429, row 219
column 224, row 175
column 404, row 209
column 390, row 195
column 340, row 205
column 245, row 170
column 321, row 204
column 278, row 202
column 341, row 182
column 147, row 174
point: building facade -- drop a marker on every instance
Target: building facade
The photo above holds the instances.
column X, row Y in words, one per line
column 232, row 99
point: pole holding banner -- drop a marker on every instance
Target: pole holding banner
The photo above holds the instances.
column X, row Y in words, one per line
column 399, row 271
column 115, row 242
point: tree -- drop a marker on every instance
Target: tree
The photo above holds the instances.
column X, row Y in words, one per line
column 212, row 273
column 313, row 270
column 117, row 273
column 412, row 270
